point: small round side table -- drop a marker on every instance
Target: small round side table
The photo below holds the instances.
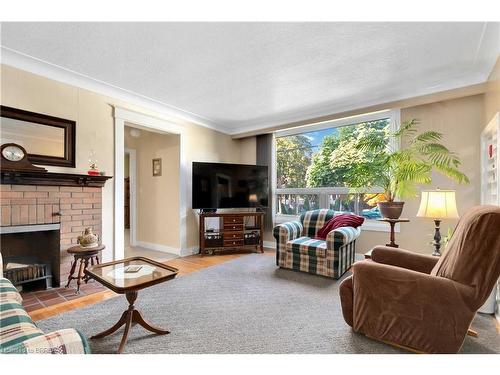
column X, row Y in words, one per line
column 392, row 223
column 85, row 255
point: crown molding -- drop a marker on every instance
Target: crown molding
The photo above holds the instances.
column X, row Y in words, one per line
column 45, row 69
column 354, row 110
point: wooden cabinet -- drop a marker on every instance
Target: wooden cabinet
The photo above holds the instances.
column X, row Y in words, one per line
column 234, row 231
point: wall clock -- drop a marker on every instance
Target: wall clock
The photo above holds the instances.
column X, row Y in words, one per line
column 15, row 158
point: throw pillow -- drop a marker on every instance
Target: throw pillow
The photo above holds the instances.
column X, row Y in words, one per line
column 342, row 220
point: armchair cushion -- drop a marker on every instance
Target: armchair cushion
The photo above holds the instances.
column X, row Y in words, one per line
column 404, row 258
column 307, row 246
column 314, row 220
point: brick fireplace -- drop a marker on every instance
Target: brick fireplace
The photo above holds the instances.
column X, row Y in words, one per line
column 35, row 200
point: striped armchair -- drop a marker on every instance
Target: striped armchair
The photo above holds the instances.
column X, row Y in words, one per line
column 297, row 249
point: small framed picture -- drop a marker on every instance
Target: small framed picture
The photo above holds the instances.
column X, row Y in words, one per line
column 156, row 167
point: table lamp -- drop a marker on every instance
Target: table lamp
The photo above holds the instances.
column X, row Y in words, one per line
column 438, row 204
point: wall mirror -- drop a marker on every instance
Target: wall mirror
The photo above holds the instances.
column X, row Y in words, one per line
column 48, row 140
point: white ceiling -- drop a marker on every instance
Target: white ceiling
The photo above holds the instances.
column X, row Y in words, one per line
column 245, row 76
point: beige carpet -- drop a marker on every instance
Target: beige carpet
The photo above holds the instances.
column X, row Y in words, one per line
column 246, row 305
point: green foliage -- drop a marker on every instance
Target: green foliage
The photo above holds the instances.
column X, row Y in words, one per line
column 412, row 164
column 364, row 156
column 293, row 156
column 340, row 161
column 319, row 172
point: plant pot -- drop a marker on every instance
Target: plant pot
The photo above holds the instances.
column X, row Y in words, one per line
column 391, row 210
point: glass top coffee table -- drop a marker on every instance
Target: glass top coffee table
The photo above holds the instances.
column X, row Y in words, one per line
column 128, row 276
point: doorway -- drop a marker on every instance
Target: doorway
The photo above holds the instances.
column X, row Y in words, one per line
column 147, row 122
column 151, row 193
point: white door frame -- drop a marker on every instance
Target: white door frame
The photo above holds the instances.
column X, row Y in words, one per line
column 146, row 122
column 132, row 174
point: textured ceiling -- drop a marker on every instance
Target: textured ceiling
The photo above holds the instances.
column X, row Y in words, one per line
column 245, row 76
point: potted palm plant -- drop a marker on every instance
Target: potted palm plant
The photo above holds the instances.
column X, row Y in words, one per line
column 399, row 170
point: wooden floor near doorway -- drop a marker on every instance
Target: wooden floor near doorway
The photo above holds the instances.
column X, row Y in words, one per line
column 186, row 265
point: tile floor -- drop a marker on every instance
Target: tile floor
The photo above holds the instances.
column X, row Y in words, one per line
column 34, row 300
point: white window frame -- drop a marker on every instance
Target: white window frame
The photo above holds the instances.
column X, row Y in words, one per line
column 394, row 116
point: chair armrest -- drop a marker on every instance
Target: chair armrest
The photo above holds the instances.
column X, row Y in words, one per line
column 8, row 291
column 288, row 231
column 411, row 308
column 64, row 341
column 341, row 236
column 404, row 258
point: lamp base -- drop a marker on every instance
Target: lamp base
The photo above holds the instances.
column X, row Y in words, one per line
column 437, row 239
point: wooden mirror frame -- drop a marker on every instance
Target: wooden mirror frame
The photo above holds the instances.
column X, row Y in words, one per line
column 69, row 135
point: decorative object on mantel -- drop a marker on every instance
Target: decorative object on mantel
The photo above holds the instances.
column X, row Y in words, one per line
column 23, row 177
column 392, row 223
column 437, row 205
column 378, row 162
column 93, row 170
column 157, row 167
column 88, row 239
column 15, row 158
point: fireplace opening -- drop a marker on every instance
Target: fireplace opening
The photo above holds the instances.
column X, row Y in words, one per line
column 31, row 256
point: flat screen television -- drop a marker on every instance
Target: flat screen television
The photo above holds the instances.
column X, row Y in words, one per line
column 221, row 185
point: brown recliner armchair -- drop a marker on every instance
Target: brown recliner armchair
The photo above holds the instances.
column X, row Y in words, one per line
column 423, row 302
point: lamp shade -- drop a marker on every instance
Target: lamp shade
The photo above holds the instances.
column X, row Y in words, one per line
column 438, row 204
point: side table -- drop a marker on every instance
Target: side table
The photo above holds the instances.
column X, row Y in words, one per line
column 85, row 255
column 392, row 223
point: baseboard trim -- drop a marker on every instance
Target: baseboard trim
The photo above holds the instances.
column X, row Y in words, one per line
column 189, row 251
column 269, row 244
column 158, row 247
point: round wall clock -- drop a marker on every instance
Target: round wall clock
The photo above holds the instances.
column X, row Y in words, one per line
column 15, row 158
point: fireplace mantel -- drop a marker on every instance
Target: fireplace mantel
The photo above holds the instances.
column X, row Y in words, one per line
column 51, row 179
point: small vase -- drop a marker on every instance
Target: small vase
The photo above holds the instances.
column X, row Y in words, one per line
column 391, row 210
column 88, row 238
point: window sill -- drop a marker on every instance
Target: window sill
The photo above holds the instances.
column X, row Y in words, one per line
column 368, row 225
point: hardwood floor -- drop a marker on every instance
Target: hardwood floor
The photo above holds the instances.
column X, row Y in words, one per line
column 186, row 265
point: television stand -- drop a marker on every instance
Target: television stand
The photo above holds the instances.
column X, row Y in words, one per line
column 237, row 230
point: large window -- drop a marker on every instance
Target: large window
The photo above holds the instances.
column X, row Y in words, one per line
column 314, row 165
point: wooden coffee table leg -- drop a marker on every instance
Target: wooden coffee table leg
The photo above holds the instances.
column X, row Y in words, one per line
column 113, row 329
column 128, row 324
column 128, row 318
column 137, row 318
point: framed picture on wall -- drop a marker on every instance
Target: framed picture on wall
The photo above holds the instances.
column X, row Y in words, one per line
column 156, row 167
